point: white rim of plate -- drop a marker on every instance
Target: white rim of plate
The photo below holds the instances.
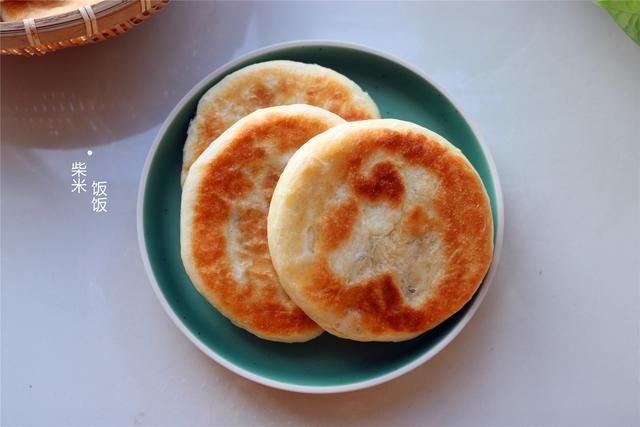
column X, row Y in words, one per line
column 297, row 387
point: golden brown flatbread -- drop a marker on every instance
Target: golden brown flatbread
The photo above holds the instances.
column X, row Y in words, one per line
column 223, row 230
column 269, row 84
column 380, row 230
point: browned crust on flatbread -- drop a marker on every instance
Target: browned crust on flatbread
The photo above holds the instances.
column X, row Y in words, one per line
column 463, row 221
column 463, row 211
column 316, row 94
column 245, row 92
column 229, row 178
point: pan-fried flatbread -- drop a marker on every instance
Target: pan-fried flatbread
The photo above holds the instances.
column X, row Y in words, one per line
column 223, row 230
column 269, row 84
column 380, row 230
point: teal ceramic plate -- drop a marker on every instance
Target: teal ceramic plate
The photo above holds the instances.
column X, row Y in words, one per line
column 326, row 364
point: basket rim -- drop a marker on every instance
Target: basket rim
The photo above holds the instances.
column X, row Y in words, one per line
column 64, row 20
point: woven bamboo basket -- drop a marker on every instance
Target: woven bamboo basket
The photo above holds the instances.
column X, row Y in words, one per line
column 88, row 24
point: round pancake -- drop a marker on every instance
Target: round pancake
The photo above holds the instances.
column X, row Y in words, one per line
column 223, row 223
column 270, row 84
column 380, row 230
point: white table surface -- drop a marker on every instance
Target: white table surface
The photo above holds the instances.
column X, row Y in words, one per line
column 553, row 87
